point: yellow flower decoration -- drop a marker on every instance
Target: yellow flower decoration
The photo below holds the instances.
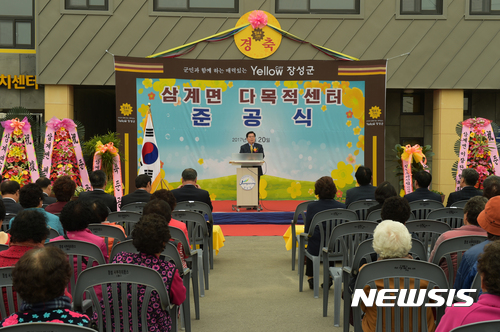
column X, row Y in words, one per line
column 201, row 161
column 336, row 85
column 316, row 84
column 356, row 130
column 294, row 190
column 301, row 91
column 143, row 109
column 262, row 188
column 323, row 108
column 402, row 192
column 311, row 192
column 356, row 168
column 140, row 91
column 375, row 112
column 353, row 98
column 291, row 84
column 348, row 123
column 126, row 109
column 349, row 145
column 139, row 141
column 342, row 175
column 147, row 83
column 213, row 196
column 162, row 83
column 356, row 152
column 361, row 142
column 472, row 134
column 230, row 84
column 277, row 83
column 142, row 125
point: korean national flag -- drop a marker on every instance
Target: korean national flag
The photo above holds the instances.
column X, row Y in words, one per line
column 150, row 156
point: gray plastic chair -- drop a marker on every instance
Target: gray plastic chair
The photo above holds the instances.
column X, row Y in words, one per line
column 456, row 247
column 6, row 221
column 300, row 211
column 204, row 209
column 395, row 269
column 6, row 287
column 460, row 204
column 121, row 275
column 79, row 253
column 107, row 231
column 53, row 233
column 476, row 284
column 134, row 207
column 350, row 234
column 375, row 216
column 453, row 216
column 487, row 326
column 198, row 235
column 361, row 207
column 127, row 219
column 427, row 231
column 421, row 208
column 417, row 250
column 326, row 221
column 46, row 327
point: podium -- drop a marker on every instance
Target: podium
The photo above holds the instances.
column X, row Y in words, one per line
column 247, row 177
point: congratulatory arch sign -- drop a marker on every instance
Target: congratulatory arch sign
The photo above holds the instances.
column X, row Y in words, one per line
column 314, row 118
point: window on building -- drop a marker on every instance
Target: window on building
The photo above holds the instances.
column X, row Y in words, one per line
column 421, row 7
column 467, row 103
column 86, row 4
column 318, row 6
column 220, row 6
column 17, row 28
column 484, row 7
column 413, row 102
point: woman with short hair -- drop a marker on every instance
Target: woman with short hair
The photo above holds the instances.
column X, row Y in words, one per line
column 64, row 189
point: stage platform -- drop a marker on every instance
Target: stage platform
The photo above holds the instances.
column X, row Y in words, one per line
column 273, row 212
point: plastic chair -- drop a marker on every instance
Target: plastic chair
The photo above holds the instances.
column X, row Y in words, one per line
column 421, row 208
column 455, row 246
column 6, row 288
column 460, row 204
column 325, row 221
column 134, row 207
column 453, row 216
column 417, row 250
column 350, row 234
column 79, row 253
column 53, row 233
column 107, row 231
column 375, row 216
column 46, row 327
column 427, row 231
column 118, row 276
column 476, row 284
column 204, row 209
column 392, row 270
column 300, row 211
column 198, row 235
column 361, row 207
column 126, row 218
column 6, row 221
column 487, row 326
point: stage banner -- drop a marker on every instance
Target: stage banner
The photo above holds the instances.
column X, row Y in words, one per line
column 313, row 118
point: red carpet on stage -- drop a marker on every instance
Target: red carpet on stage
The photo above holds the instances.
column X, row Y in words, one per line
column 254, row 230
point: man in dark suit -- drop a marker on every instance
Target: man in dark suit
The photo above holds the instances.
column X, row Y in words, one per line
column 252, row 147
column 190, row 190
column 46, row 186
column 98, row 181
column 422, row 181
column 10, row 196
column 468, row 180
column 143, row 185
column 365, row 189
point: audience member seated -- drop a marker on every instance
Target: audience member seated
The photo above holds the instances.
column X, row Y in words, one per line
column 467, row 190
column 325, row 189
column 396, row 208
column 383, row 192
column 10, row 196
column 31, row 197
column 491, row 186
column 64, row 189
column 163, row 208
column 488, row 305
column 489, row 220
column 471, row 211
column 4, row 237
column 365, row 189
column 101, row 211
column 391, row 239
column 40, row 277
column 141, row 194
column 168, row 196
column 46, row 186
column 422, row 181
column 150, row 236
column 190, row 190
column 98, row 181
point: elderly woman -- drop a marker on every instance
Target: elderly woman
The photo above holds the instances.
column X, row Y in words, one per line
column 391, row 239
column 383, row 191
column 64, row 188
column 488, row 305
column 150, row 236
column 325, row 189
column 40, row 278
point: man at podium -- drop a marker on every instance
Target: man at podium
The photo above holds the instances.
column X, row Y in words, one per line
column 252, row 147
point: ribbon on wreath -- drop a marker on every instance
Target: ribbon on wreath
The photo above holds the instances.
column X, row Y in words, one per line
column 467, row 127
column 411, row 153
column 53, row 125
column 10, row 126
column 117, row 171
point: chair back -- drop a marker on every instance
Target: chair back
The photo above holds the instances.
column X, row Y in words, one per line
column 196, row 225
column 453, row 216
column 300, row 212
column 476, row 284
column 6, row 223
column 427, row 231
column 398, row 274
column 179, row 236
column 82, row 255
column 361, row 207
column 9, row 294
column 375, row 215
column 46, row 327
column 196, row 206
column 421, row 208
column 134, row 207
column 126, row 246
column 460, row 204
column 53, row 233
column 107, row 231
column 455, row 246
column 118, row 277
column 126, row 219
column 486, row 326
column 418, row 250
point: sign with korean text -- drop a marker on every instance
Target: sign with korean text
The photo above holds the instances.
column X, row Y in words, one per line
column 259, row 42
column 18, row 82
